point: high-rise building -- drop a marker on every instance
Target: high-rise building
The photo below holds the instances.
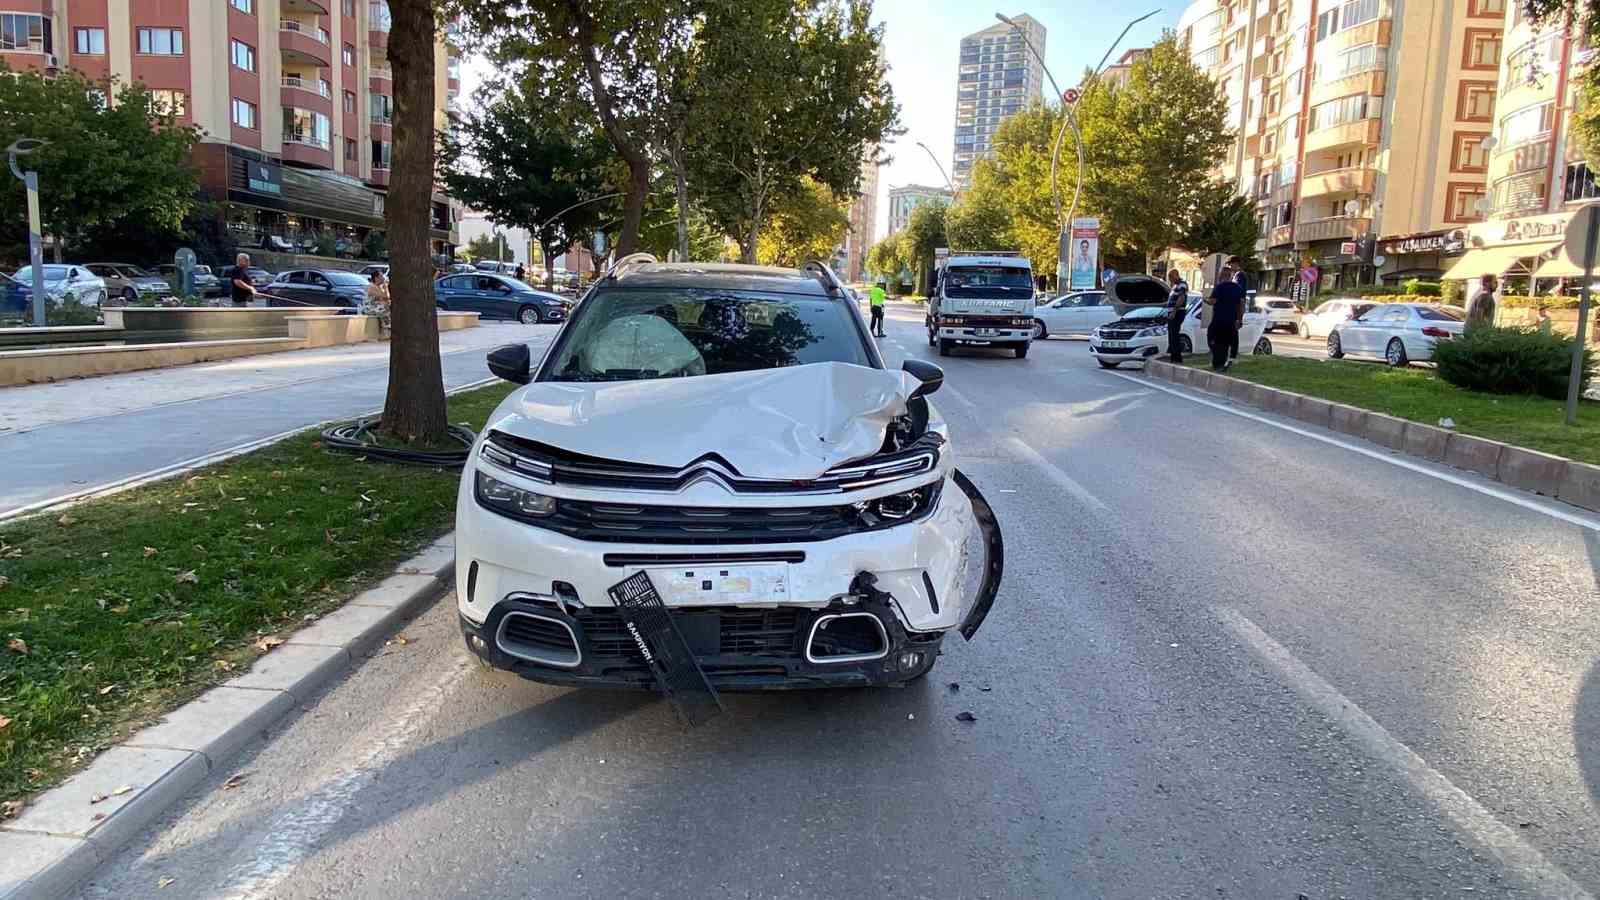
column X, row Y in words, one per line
column 863, row 223
column 295, row 99
column 902, row 200
column 998, row 76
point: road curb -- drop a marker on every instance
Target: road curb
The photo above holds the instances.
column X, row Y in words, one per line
column 1567, row 480
column 69, row 830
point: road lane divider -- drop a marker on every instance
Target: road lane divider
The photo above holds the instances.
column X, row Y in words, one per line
column 1519, row 857
column 1053, row 472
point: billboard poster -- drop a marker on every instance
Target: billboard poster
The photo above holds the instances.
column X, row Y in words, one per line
column 1085, row 253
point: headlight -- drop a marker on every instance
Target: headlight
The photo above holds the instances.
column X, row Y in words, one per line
column 1152, row 331
column 896, row 508
column 510, row 500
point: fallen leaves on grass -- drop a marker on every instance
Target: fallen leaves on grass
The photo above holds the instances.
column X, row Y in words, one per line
column 108, row 689
column 267, row 643
column 10, row 809
column 17, row 645
column 65, row 520
column 223, row 665
column 4, row 721
column 235, row 780
column 150, row 551
column 9, row 552
column 188, row 577
column 3, row 582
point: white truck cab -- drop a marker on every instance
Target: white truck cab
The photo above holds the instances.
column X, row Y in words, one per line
column 983, row 298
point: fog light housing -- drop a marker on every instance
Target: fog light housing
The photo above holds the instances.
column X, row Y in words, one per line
column 477, row 644
column 910, row 660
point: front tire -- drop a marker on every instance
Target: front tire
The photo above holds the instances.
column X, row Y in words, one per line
column 933, row 340
column 1185, row 345
column 1305, row 332
column 1395, row 354
column 528, row 315
column 1263, row 347
column 1039, row 331
column 1021, row 350
column 944, row 346
column 1335, row 347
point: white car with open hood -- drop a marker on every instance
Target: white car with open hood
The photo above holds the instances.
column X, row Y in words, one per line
column 726, row 441
column 1139, row 334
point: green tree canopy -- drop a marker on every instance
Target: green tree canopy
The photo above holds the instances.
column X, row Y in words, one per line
column 1017, row 180
column 980, row 219
column 486, row 246
column 887, row 260
column 925, row 233
column 1227, row 224
column 806, row 224
column 104, row 164
column 1151, row 144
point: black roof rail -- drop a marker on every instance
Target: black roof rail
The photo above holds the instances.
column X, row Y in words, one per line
column 819, row 270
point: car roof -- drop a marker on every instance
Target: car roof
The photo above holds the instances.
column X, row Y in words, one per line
column 721, row 276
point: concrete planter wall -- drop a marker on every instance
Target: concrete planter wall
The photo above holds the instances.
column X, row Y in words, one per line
column 144, row 324
column 1553, row 476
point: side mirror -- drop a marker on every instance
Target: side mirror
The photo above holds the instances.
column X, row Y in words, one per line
column 511, row 363
column 931, row 376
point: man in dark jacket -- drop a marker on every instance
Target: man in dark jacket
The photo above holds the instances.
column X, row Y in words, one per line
column 1227, row 317
column 1481, row 310
column 1177, row 309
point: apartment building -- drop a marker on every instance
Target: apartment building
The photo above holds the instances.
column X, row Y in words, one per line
column 863, row 223
column 294, row 99
column 1359, row 127
column 904, row 199
column 998, row 76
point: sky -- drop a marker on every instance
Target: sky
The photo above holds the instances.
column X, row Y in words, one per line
column 922, row 40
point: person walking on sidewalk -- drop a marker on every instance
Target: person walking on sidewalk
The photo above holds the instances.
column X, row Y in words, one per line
column 1177, row 309
column 241, row 290
column 1481, row 310
column 876, row 298
column 1227, row 317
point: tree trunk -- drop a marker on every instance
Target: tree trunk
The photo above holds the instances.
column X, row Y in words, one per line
column 415, row 408
column 549, row 265
column 682, row 178
column 590, row 38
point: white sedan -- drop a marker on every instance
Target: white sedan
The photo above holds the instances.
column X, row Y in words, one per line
column 1080, row 312
column 1142, row 334
column 1399, row 333
column 1320, row 321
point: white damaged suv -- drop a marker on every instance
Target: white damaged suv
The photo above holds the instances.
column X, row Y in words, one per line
column 730, row 432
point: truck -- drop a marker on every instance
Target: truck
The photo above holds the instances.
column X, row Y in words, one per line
column 983, row 298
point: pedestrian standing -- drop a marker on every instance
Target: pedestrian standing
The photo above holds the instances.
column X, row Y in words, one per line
column 1481, row 310
column 1177, row 309
column 241, row 290
column 877, row 296
column 1544, row 324
column 1236, row 265
column 522, row 274
column 1227, row 317
column 377, row 302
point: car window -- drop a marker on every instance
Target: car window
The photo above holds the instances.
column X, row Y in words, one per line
column 102, row 271
column 1147, row 312
column 492, row 285
column 1367, row 313
column 627, row 335
column 346, row 279
column 1094, row 299
column 1397, row 314
column 458, row 283
column 293, row 277
column 317, row 278
column 1442, row 313
column 987, row 281
column 1071, row 301
column 133, row 272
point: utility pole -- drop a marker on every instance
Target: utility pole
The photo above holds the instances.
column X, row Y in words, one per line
column 30, row 181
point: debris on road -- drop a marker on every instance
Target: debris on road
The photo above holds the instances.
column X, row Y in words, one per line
column 235, row 780
column 955, row 686
column 966, row 717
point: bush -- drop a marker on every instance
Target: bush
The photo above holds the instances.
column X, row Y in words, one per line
column 1416, row 287
column 70, row 312
column 1509, row 361
column 1517, row 301
column 1452, row 292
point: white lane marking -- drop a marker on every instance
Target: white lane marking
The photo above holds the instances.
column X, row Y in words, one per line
column 1513, row 497
column 958, row 397
column 1516, row 854
column 1055, row 474
column 293, row 835
column 110, row 488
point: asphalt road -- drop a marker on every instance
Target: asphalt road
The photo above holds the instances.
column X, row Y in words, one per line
column 1228, row 660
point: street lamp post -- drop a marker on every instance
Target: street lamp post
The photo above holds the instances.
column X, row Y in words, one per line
column 30, row 182
column 942, row 173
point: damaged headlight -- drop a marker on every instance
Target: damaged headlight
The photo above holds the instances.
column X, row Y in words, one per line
column 1152, row 332
column 893, row 509
column 512, row 500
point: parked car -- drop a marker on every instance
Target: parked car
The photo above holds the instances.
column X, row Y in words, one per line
column 375, row 269
column 722, row 446
column 316, row 287
column 129, row 283
column 259, row 277
column 1080, row 312
column 1399, row 333
column 62, row 283
column 206, row 284
column 498, row 297
column 1319, row 322
column 1280, row 312
column 1141, row 333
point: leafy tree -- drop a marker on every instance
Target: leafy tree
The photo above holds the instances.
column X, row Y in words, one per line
column 807, row 224
column 787, row 89
column 1584, row 16
column 1150, row 145
column 486, row 246
column 105, row 167
column 888, row 260
column 980, row 219
column 659, row 234
column 925, row 233
column 1227, row 224
column 1017, row 180
column 519, row 161
column 376, row 246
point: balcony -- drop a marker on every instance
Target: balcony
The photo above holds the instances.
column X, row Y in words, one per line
column 378, row 38
column 1331, row 182
column 1336, row 228
column 306, row 151
column 303, row 45
column 307, row 93
column 304, row 7
column 379, row 177
column 1371, row 79
column 1281, row 236
column 382, row 128
column 380, row 81
column 1376, row 31
column 1263, row 45
column 1357, row 133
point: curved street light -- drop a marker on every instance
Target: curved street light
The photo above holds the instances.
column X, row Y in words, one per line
column 942, row 173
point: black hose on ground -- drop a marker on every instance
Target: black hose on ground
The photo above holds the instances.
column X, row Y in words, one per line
column 355, row 437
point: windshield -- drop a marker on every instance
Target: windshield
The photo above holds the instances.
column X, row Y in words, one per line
column 629, row 335
column 346, row 279
column 51, row 273
column 1442, row 313
column 1147, row 312
column 133, row 272
column 987, row 281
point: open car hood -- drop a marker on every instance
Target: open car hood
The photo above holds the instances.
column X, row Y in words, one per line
column 793, row 423
column 1127, row 292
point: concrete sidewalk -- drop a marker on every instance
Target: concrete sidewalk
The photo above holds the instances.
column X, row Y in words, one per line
column 70, row 438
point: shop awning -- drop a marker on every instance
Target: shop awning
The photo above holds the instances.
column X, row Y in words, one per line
column 1511, row 258
column 1562, row 265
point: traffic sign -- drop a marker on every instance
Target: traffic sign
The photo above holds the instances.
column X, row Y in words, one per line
column 1070, row 95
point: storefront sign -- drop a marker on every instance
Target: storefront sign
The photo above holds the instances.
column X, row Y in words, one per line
column 1534, row 228
column 1449, row 243
column 264, row 178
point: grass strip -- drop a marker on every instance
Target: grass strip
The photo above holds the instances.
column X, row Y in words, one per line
column 1422, row 396
column 117, row 610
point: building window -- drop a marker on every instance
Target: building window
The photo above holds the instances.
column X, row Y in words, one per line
column 382, row 108
column 1482, row 49
column 244, row 6
column 304, row 126
column 1521, row 195
column 1338, row 112
column 1486, row 9
column 89, row 41
column 1528, row 124
column 349, row 55
column 1530, row 63
column 1461, row 202
column 244, row 55
column 349, row 101
column 1355, row 60
column 1475, row 101
column 380, row 154
column 25, row 31
column 1467, row 154
column 350, row 149
column 244, row 114
column 349, row 7
column 1580, row 183
column 164, row 103
column 161, row 41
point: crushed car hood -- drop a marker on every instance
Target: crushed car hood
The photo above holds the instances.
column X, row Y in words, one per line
column 792, row 423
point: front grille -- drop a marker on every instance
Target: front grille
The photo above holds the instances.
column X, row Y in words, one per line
column 700, row 525
column 741, row 631
column 981, row 322
column 541, row 634
column 1112, row 350
column 1117, row 335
